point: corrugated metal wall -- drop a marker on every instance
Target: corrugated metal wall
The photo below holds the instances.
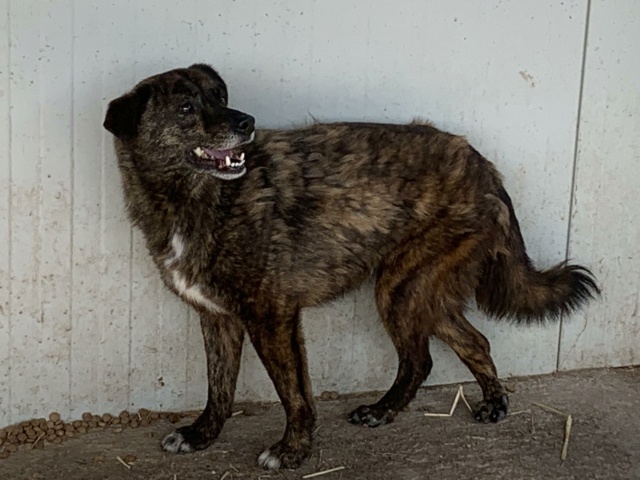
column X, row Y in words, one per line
column 547, row 90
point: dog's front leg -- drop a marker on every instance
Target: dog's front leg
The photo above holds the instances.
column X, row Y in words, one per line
column 223, row 336
column 277, row 338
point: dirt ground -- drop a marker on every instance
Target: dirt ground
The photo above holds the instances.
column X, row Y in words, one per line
column 604, row 441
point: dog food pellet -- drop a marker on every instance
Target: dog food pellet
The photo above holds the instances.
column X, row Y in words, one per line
column 107, row 417
column 77, row 423
column 57, row 440
column 115, row 421
column 81, row 429
column 54, row 417
column 86, row 417
column 130, row 458
column 124, row 414
column 4, row 454
column 332, row 395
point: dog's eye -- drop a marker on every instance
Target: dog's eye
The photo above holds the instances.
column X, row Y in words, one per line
column 187, row 107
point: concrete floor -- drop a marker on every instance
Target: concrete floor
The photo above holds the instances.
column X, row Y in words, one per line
column 604, row 440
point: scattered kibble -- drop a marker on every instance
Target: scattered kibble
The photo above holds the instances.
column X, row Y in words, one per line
column 38, row 432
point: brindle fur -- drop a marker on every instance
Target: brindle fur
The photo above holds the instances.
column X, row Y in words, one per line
column 321, row 209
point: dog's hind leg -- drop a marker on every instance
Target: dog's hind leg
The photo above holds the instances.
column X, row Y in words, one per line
column 223, row 337
column 277, row 338
column 402, row 310
column 474, row 350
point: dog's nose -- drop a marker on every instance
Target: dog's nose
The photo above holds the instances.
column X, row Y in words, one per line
column 246, row 124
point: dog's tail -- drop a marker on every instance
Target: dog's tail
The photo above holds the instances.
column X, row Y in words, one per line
column 510, row 287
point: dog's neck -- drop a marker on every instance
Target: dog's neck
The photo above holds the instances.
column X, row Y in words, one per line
column 162, row 204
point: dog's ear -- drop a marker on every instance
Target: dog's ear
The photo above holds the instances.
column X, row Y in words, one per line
column 213, row 75
column 124, row 113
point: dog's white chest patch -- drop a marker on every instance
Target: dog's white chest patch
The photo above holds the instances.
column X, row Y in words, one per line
column 193, row 293
column 190, row 293
column 177, row 247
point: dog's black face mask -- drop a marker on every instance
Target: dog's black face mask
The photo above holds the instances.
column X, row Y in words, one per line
column 180, row 119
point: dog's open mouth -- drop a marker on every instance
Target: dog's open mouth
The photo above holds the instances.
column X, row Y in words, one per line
column 220, row 163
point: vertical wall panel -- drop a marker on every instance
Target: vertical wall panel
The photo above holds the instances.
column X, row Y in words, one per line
column 605, row 225
column 101, row 246
column 41, row 202
column 5, row 202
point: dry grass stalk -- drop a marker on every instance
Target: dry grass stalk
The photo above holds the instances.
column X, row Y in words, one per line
column 565, row 442
column 549, row 409
column 126, row 465
column 33, row 445
column 459, row 395
column 324, row 472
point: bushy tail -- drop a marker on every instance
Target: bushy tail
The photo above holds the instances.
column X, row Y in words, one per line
column 510, row 287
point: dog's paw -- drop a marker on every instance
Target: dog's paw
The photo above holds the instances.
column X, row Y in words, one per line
column 176, row 443
column 283, row 456
column 371, row 416
column 492, row 410
column 188, row 439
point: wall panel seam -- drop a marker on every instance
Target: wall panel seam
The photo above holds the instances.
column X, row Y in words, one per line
column 575, row 156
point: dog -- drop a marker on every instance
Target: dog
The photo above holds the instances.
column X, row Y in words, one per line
column 250, row 226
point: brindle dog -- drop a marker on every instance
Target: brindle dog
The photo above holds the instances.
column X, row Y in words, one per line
column 251, row 230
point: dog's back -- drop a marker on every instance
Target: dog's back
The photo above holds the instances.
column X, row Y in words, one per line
column 346, row 196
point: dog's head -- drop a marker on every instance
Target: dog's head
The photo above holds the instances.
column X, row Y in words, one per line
column 180, row 120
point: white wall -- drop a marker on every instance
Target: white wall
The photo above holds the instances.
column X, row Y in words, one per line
column 85, row 323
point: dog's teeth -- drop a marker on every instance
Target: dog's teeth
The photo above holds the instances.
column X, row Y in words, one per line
column 242, row 157
column 199, row 152
column 227, row 160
